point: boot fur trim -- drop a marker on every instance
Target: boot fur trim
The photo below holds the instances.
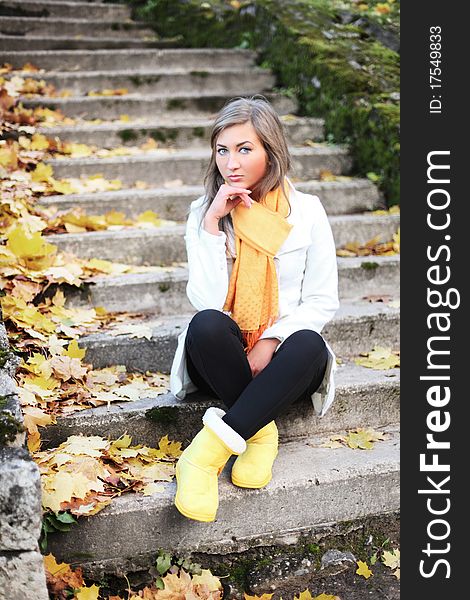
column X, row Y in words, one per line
column 213, row 419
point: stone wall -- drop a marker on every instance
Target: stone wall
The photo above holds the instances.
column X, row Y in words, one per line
column 21, row 566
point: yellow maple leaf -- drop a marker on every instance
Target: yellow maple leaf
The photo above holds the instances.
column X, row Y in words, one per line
column 391, row 559
column 114, row 217
column 34, row 441
column 363, row 570
column 176, row 585
column 38, row 364
column 150, row 144
column 29, row 246
column 66, row 368
column 207, row 579
column 53, row 567
column 24, row 142
column 382, row 8
column 396, row 241
column 74, row 351
column 363, row 438
column 326, row 597
column 152, row 488
column 88, row 445
column 305, row 595
column 169, row 448
column 149, row 218
column 8, row 157
column 26, row 290
column 78, row 150
column 39, row 142
column 34, row 417
column 42, row 172
column 263, row 597
column 379, row 358
column 87, row 593
column 57, row 488
column 123, row 442
column 62, row 187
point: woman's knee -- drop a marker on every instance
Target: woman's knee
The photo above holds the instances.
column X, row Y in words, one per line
column 309, row 342
column 208, row 324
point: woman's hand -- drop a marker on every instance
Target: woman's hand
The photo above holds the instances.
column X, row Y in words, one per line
column 261, row 354
column 226, row 199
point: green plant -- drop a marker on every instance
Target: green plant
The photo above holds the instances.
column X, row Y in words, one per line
column 53, row 522
column 164, row 563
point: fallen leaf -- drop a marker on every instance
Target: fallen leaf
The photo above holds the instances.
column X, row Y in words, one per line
column 363, row 570
column 87, row 593
column 379, row 358
column 392, row 560
column 207, row 579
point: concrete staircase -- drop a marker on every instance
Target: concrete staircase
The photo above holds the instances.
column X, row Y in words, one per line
column 174, row 94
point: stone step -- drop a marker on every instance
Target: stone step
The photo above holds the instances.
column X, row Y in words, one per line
column 189, row 165
column 137, row 105
column 311, row 487
column 158, row 81
column 126, row 59
column 163, row 246
column 107, row 2
column 175, row 133
column 164, row 292
column 41, row 43
column 50, row 26
column 364, row 397
column 356, row 327
column 338, row 197
column 65, row 8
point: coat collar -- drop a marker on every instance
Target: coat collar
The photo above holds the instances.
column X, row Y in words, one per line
column 300, row 234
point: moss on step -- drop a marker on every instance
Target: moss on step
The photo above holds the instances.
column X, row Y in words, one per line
column 337, row 70
column 10, row 427
column 164, row 135
column 163, row 415
column 4, row 355
column 139, row 80
column 199, row 132
column 369, row 266
column 128, row 135
column 175, row 104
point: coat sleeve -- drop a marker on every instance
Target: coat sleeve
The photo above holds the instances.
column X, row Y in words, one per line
column 319, row 295
column 207, row 285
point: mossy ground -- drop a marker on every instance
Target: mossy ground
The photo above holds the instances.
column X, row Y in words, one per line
column 288, row 570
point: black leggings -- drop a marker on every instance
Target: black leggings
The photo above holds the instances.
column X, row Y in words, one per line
column 218, row 366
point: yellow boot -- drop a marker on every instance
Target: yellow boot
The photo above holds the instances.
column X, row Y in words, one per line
column 253, row 468
column 197, row 469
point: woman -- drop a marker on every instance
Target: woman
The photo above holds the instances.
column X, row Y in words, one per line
column 263, row 276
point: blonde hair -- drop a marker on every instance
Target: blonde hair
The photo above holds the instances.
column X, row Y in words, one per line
column 259, row 112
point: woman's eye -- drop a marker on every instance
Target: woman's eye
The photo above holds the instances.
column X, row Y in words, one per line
column 247, row 150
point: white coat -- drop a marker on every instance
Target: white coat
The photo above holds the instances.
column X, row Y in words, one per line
column 307, row 274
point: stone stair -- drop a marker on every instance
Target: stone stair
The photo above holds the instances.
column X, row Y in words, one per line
column 174, row 94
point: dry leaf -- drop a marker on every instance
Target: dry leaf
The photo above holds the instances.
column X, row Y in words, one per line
column 392, row 560
column 87, row 593
column 379, row 358
column 363, row 570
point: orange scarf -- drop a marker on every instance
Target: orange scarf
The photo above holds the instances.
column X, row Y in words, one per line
column 253, row 292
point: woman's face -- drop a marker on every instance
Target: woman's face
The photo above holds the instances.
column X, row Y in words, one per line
column 240, row 156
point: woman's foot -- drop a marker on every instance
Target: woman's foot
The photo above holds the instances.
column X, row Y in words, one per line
column 253, row 468
column 200, row 464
